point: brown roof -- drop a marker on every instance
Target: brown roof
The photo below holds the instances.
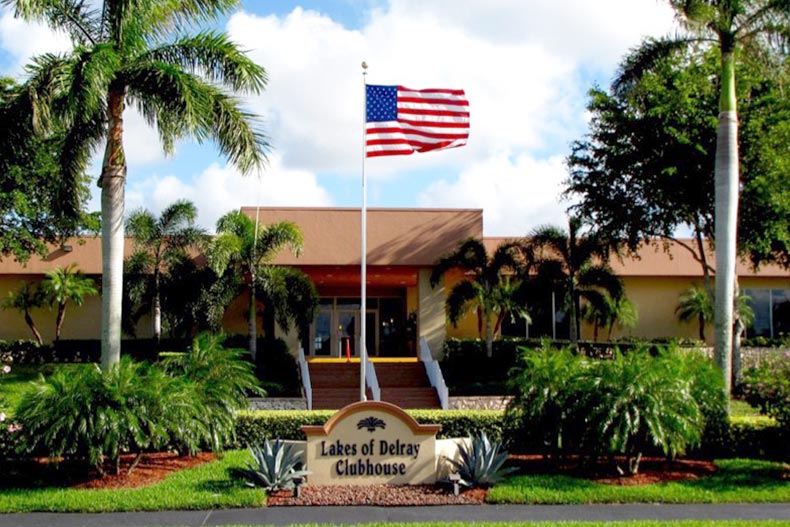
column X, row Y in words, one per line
column 85, row 252
column 675, row 260
column 395, row 236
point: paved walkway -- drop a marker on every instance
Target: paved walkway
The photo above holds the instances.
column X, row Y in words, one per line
column 356, row 515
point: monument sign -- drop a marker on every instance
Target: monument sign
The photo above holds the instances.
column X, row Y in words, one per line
column 369, row 443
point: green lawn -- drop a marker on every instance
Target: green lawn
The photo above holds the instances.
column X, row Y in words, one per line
column 14, row 384
column 205, row 487
column 685, row 523
column 736, row 481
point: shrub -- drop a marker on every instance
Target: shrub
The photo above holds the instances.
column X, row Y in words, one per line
column 277, row 368
column 546, row 392
column 253, row 426
column 274, row 466
column 83, row 414
column 185, row 403
column 481, row 463
column 635, row 402
column 223, row 379
column 768, row 388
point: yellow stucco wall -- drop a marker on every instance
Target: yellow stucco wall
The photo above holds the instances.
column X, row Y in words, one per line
column 80, row 322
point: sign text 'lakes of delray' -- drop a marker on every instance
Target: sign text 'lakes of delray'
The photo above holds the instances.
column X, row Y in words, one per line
column 351, row 465
column 369, row 443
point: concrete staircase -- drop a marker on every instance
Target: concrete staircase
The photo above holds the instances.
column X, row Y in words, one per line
column 406, row 385
column 336, row 384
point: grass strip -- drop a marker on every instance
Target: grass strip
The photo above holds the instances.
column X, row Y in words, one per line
column 207, row 486
column 735, row 481
column 633, row 523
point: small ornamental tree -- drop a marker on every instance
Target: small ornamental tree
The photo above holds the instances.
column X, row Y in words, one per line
column 64, row 285
column 25, row 299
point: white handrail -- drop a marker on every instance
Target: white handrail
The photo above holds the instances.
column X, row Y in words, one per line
column 307, row 387
column 372, row 381
column 434, row 372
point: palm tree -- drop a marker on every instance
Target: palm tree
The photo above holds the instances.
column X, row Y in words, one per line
column 121, row 56
column 695, row 304
column 67, row 284
column 158, row 242
column 574, row 264
column 25, row 299
column 485, row 284
column 732, row 26
column 615, row 311
column 243, row 248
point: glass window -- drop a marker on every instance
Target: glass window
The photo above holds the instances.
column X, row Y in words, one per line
column 780, row 312
column 760, row 300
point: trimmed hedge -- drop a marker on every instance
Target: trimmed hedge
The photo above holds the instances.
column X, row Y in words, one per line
column 253, row 426
column 489, row 376
column 743, row 438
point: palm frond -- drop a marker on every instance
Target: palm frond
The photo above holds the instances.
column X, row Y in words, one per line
column 180, row 103
column 551, row 239
column 273, row 238
column 236, row 133
column 214, row 56
column 225, row 247
column 142, row 226
column 75, row 17
column 470, row 255
column 461, row 296
column 645, row 57
column 602, row 277
column 81, row 141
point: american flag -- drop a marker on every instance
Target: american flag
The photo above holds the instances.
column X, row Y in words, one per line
column 401, row 121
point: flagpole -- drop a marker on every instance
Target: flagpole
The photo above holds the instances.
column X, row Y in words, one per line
column 363, row 352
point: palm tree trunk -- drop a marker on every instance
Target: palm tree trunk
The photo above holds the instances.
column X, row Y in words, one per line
column 157, row 312
column 112, row 183
column 737, row 367
column 726, row 218
column 574, row 333
column 701, row 320
column 489, row 335
column 59, row 320
column 33, row 328
column 252, row 324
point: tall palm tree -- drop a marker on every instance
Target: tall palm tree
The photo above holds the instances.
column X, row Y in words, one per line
column 67, row 284
column 122, row 56
column 158, row 242
column 243, row 248
column 485, row 283
column 25, row 299
column 575, row 264
column 733, row 27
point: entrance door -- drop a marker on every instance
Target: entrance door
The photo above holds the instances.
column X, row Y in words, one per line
column 322, row 338
column 347, row 331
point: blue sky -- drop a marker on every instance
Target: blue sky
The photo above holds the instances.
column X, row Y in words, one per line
column 525, row 64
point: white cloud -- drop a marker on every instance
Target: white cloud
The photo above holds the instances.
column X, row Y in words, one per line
column 516, row 195
column 519, row 62
column 23, row 40
column 219, row 189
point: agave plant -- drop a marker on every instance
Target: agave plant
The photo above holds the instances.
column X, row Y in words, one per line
column 275, row 466
column 481, row 463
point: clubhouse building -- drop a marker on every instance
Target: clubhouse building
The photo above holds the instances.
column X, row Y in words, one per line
column 402, row 307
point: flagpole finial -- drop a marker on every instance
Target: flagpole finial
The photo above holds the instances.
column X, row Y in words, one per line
column 364, row 65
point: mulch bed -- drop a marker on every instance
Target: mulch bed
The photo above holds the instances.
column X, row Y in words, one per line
column 152, row 468
column 651, row 469
column 377, row 495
